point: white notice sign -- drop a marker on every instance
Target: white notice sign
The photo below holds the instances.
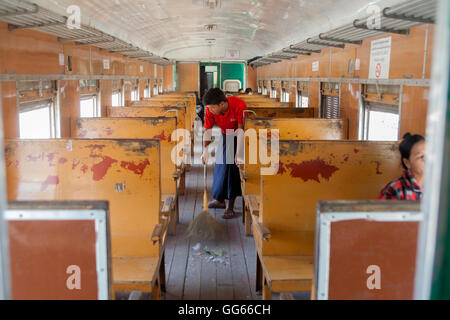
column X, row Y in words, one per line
column 315, row 66
column 357, row 64
column 211, row 69
column 380, row 58
column 141, row 69
column 232, row 54
column 106, row 64
column 61, row 59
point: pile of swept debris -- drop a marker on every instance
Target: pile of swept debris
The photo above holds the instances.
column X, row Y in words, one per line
column 216, row 255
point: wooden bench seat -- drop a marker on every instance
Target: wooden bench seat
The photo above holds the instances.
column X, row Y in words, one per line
column 311, row 171
column 285, row 274
column 160, row 128
column 169, row 209
column 101, row 169
column 289, row 128
column 252, row 202
column 137, row 274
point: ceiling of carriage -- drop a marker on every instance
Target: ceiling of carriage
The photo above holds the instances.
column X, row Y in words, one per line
column 176, row 28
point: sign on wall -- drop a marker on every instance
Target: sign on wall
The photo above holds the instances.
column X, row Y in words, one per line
column 380, row 58
column 106, row 64
column 315, row 66
column 232, row 54
column 61, row 59
column 210, row 68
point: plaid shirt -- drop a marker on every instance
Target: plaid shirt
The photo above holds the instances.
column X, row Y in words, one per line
column 404, row 188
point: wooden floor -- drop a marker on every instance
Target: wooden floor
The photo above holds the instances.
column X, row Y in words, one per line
column 190, row 277
column 193, row 277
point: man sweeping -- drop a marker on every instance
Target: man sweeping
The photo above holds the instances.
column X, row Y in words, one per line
column 227, row 113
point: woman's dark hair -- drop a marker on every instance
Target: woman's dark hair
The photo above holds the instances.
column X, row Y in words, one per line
column 407, row 144
column 249, row 90
column 214, row 96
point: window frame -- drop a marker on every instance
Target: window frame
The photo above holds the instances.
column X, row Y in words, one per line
column 367, row 105
column 329, row 91
column 32, row 93
column 285, row 95
column 134, row 91
column 113, row 93
column 31, row 106
column 301, row 93
column 97, row 104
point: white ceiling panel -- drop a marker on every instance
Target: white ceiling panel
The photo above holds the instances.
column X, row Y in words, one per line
column 176, row 28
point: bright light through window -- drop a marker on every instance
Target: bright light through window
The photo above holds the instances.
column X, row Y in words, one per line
column 116, row 99
column 134, row 94
column 35, row 124
column 383, row 126
column 285, row 95
column 305, row 101
column 87, row 108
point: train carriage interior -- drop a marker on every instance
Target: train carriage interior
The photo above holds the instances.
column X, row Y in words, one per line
column 117, row 117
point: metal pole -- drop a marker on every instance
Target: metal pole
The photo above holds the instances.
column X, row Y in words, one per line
column 427, row 256
column 4, row 246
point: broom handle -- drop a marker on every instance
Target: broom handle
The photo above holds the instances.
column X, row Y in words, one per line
column 205, row 194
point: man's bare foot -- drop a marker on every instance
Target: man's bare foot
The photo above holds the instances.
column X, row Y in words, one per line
column 229, row 214
column 216, row 205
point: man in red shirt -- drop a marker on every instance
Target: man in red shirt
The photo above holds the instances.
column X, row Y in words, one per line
column 228, row 114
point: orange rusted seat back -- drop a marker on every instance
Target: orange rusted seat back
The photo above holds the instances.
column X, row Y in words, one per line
column 136, row 128
column 310, row 171
column 269, row 112
column 170, row 100
column 59, row 250
column 143, row 112
column 124, row 172
column 292, row 129
column 269, row 104
column 366, row 250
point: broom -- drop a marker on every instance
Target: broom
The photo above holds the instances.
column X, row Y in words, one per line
column 204, row 226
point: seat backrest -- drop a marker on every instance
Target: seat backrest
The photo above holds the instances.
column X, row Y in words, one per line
column 72, row 259
column 366, row 250
column 122, row 171
column 292, row 129
column 135, row 128
column 310, row 171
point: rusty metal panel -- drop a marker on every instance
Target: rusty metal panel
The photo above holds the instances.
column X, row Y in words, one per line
column 267, row 112
column 292, row 129
column 142, row 112
column 135, row 128
column 124, row 172
column 274, row 104
column 310, row 171
column 72, row 260
column 366, row 254
column 169, row 100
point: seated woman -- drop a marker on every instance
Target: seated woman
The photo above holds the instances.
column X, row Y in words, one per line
column 409, row 185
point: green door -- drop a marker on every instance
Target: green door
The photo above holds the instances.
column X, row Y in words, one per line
column 232, row 71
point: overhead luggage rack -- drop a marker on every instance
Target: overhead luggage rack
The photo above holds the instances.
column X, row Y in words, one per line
column 396, row 20
column 25, row 15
